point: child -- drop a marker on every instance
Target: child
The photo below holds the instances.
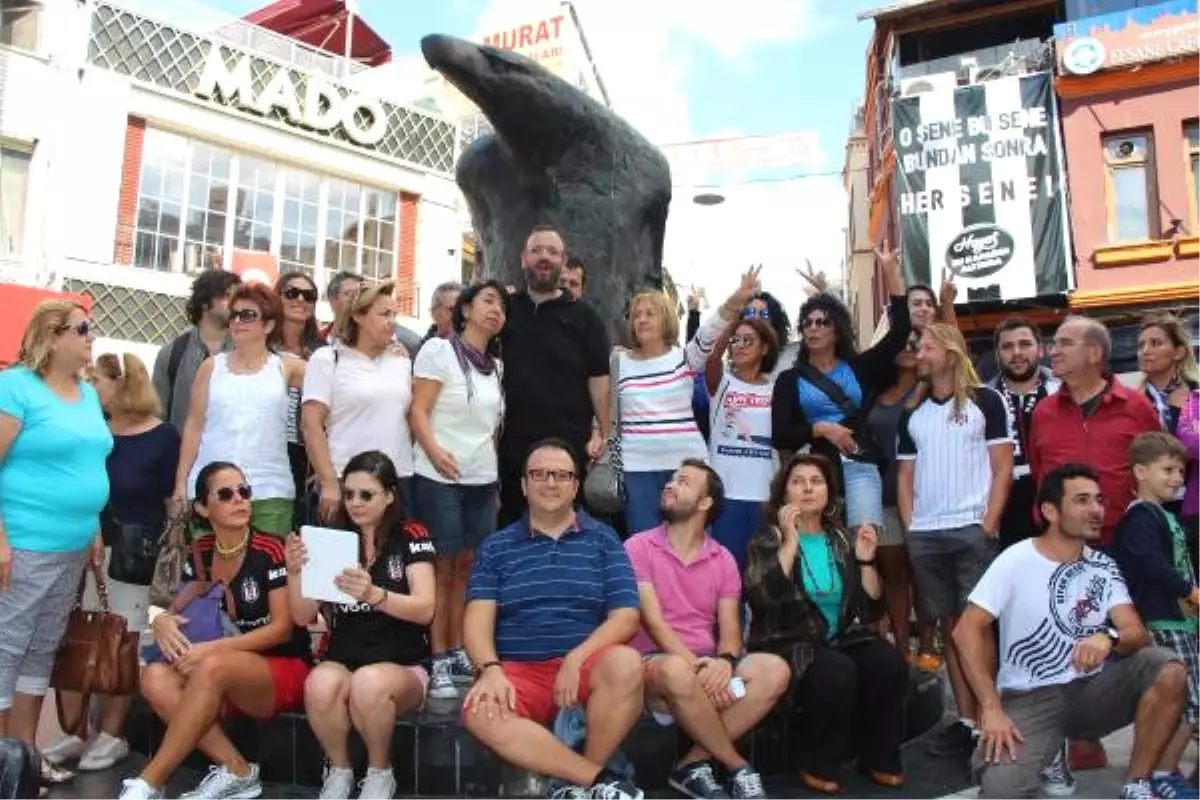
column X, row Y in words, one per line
column 1151, row 548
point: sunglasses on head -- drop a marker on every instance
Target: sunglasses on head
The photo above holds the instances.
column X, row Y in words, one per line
column 816, row 322
column 81, row 328
column 225, row 493
column 756, row 313
column 365, row 495
column 293, row 292
column 245, row 315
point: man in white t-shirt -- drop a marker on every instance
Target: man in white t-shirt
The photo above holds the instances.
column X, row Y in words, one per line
column 1063, row 609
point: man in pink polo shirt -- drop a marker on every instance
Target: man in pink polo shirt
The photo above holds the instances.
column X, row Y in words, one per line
column 691, row 637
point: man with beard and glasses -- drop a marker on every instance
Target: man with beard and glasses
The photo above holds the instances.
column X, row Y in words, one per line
column 556, row 362
column 1063, row 610
column 1022, row 382
column 691, row 638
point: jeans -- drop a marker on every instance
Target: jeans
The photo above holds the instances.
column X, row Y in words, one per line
column 737, row 523
column 643, row 496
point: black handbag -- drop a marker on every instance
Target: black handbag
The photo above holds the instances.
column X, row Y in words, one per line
column 869, row 451
column 134, row 552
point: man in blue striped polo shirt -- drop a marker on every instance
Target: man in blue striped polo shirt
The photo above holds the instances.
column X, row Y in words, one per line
column 550, row 605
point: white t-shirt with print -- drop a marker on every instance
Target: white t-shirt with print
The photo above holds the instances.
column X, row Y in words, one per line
column 1044, row 609
column 740, row 438
column 464, row 427
column 368, row 400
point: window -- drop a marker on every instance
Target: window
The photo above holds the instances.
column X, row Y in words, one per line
column 1191, row 138
column 1129, row 187
column 19, row 23
column 14, row 187
column 199, row 203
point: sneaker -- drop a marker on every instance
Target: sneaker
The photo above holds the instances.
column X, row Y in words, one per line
column 338, row 783
column 1173, row 787
column 746, row 784
column 65, row 749
column 697, row 780
column 104, row 751
column 1057, row 778
column 615, row 789
column 953, row 741
column 569, row 792
column 441, row 682
column 1138, row 790
column 461, row 668
column 220, row 784
column 379, row 784
column 138, row 789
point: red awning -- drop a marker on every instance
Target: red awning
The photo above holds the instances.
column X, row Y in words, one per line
column 322, row 24
column 19, row 303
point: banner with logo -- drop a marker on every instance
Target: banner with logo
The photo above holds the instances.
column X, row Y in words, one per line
column 980, row 191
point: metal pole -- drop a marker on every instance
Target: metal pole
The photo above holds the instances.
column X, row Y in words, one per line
column 350, row 8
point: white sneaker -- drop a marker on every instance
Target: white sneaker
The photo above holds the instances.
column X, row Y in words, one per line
column 138, row 789
column 339, row 783
column 379, row 784
column 441, row 682
column 104, row 751
column 221, row 784
column 65, row 749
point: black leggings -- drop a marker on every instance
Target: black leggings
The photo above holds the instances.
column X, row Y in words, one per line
column 851, row 703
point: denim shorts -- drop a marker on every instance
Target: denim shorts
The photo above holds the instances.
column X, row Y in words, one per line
column 946, row 565
column 864, row 494
column 459, row 517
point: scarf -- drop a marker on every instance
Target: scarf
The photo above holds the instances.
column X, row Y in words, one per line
column 471, row 360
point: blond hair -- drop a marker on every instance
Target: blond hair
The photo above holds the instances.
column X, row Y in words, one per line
column 48, row 321
column 1177, row 332
column 966, row 379
column 135, row 394
column 345, row 327
column 661, row 303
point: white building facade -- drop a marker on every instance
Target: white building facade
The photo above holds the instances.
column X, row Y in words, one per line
column 140, row 145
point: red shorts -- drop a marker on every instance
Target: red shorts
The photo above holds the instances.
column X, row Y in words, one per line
column 534, row 685
column 288, row 676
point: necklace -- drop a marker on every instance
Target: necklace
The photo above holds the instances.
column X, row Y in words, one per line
column 812, row 578
column 232, row 552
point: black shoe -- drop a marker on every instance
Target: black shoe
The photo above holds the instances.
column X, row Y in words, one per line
column 614, row 789
column 953, row 741
column 697, row 780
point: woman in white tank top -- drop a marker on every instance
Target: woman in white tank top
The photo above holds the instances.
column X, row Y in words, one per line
column 239, row 413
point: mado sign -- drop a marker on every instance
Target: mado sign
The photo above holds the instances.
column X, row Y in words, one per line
column 323, row 107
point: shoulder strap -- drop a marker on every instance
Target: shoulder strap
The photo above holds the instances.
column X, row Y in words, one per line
column 178, row 348
column 614, row 405
column 828, row 387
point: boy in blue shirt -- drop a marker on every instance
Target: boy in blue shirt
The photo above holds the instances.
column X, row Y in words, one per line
column 1150, row 546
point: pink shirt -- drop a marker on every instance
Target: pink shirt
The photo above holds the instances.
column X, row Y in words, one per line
column 687, row 593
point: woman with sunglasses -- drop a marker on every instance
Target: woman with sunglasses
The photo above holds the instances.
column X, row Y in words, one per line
column 53, row 483
column 259, row 672
column 239, row 412
column 372, row 669
column 823, row 400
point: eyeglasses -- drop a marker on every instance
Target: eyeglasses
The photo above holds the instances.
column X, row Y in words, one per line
column 81, row 328
column 293, row 292
column 364, row 495
column 816, row 322
column 743, row 341
column 225, row 493
column 546, row 475
column 246, row 315
column 756, row 313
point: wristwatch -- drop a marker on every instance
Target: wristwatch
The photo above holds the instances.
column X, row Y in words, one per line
column 730, row 658
column 1114, row 637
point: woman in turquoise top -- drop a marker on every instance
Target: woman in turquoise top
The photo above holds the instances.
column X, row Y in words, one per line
column 814, row 593
column 53, row 484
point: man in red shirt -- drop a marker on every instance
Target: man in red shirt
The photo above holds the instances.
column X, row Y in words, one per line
column 1092, row 418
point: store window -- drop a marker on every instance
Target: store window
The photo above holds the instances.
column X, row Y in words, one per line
column 14, row 189
column 1129, row 186
column 215, row 201
column 1191, row 137
column 20, row 23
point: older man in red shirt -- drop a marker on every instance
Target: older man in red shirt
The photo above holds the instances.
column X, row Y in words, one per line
column 1092, row 418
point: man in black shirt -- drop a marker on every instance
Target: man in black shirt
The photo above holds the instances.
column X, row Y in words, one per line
column 556, row 353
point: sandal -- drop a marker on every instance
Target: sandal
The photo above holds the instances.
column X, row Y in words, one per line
column 925, row 660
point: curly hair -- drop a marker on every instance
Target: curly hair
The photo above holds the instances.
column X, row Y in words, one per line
column 210, row 286
column 776, row 316
column 843, row 326
column 831, row 515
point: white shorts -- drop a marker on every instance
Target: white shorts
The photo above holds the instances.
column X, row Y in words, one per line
column 129, row 600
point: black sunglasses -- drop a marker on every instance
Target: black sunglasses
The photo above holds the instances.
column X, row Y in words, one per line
column 225, row 493
column 816, row 322
column 246, row 315
column 292, row 292
column 365, row 495
column 81, row 328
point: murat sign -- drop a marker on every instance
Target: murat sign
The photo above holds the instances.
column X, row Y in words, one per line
column 322, row 107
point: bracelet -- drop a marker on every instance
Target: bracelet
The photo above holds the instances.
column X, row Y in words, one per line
column 870, row 562
column 486, row 666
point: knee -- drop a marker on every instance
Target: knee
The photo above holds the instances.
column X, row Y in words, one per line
column 155, row 681
column 673, row 677
column 370, row 688
column 766, row 674
column 620, row 667
column 211, row 674
column 1008, row 780
column 1172, row 678
column 325, row 689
